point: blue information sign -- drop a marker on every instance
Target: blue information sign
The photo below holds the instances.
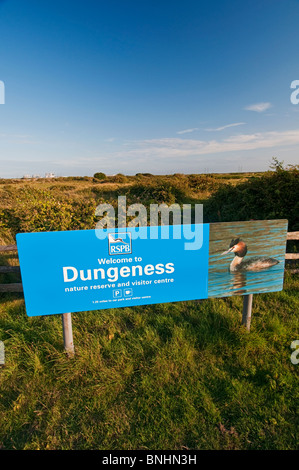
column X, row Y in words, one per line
column 86, row 270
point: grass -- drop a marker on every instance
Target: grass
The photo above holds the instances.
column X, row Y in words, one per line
column 184, row 375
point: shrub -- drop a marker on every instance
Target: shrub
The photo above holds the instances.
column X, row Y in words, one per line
column 203, row 183
column 99, row 176
column 119, row 178
column 40, row 211
column 163, row 192
column 274, row 195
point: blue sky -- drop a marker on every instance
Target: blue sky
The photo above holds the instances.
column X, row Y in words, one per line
column 147, row 86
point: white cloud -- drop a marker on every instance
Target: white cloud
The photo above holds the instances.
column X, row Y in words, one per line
column 187, row 131
column 180, row 148
column 258, row 107
column 170, row 154
column 193, row 129
column 225, row 127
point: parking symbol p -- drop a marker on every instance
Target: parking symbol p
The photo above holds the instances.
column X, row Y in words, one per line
column 117, row 293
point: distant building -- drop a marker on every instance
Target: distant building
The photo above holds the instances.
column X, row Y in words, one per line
column 47, row 175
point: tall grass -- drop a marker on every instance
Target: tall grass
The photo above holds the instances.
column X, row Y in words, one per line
column 183, row 375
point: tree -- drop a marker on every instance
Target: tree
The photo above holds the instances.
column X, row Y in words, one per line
column 99, row 176
column 276, row 165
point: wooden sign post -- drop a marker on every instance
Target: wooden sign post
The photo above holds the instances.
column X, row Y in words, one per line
column 247, row 309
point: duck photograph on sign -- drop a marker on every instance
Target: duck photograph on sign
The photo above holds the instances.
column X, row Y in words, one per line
column 246, row 257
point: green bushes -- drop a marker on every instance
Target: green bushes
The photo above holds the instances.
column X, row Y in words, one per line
column 70, row 206
column 41, row 211
column 162, row 192
column 99, row 176
column 274, row 195
column 203, row 183
column 144, row 174
column 119, row 178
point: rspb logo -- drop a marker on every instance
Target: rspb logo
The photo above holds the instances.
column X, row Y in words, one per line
column 120, row 243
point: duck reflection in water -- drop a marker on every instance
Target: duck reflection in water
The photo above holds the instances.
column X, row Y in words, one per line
column 239, row 282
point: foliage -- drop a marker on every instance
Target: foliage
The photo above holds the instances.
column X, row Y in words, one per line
column 70, row 203
column 119, row 178
column 99, row 176
column 162, row 192
column 37, row 210
column 274, row 195
column 203, row 182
